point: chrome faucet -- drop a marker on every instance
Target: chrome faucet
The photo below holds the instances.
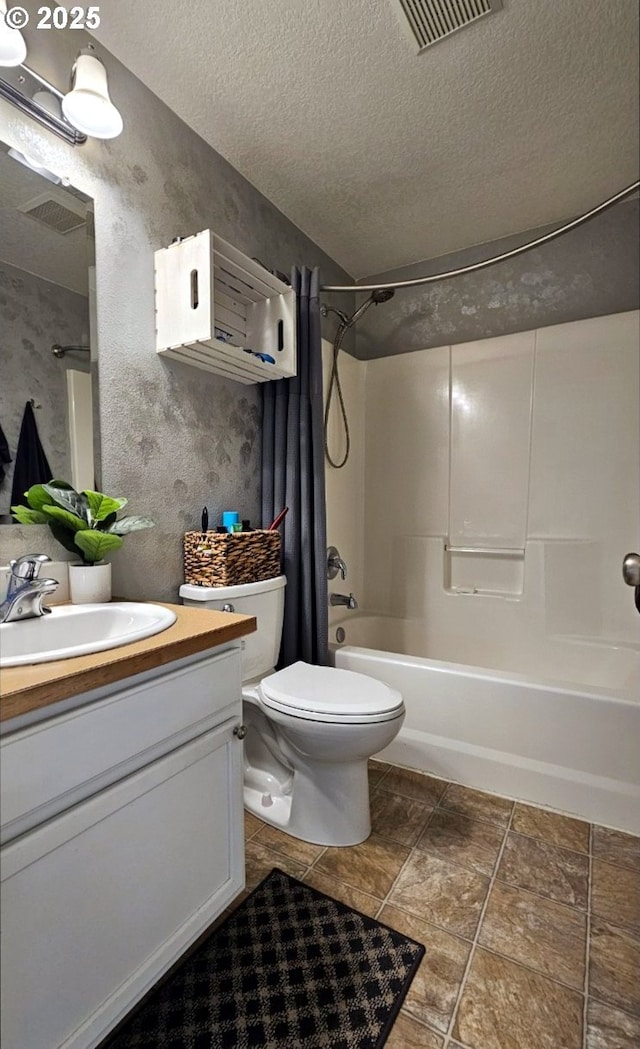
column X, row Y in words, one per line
column 26, row 589
column 348, row 601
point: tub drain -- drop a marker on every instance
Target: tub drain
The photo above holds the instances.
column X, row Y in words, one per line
column 340, row 635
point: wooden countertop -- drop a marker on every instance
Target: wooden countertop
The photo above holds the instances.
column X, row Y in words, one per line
column 28, row 688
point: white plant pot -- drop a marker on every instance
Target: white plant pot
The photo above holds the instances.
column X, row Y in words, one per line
column 89, row 584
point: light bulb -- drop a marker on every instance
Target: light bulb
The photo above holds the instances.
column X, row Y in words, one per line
column 13, row 49
column 88, row 106
column 47, row 101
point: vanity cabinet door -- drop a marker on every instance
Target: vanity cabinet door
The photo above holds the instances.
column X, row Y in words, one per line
column 99, row 902
column 56, row 764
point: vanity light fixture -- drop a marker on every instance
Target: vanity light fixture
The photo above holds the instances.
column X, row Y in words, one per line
column 13, row 49
column 88, row 106
column 86, row 110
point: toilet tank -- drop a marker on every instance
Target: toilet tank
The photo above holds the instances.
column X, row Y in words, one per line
column 265, row 601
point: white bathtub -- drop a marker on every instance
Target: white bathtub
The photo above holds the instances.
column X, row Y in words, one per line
column 566, row 734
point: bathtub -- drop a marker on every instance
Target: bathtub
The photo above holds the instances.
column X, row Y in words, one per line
column 563, row 730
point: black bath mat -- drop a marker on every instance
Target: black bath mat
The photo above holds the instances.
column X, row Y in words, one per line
column 290, row 969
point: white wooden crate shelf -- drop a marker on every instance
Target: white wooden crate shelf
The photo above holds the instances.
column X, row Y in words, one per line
column 205, row 287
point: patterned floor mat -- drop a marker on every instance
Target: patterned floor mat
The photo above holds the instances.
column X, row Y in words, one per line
column 291, row 968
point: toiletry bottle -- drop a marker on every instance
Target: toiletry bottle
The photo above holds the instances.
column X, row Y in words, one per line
column 230, row 517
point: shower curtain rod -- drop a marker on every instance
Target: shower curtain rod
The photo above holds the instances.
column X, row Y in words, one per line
column 446, row 274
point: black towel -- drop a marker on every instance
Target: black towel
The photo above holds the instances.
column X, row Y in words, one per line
column 5, row 455
column 31, row 462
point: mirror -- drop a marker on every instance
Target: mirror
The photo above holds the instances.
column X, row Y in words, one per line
column 48, row 357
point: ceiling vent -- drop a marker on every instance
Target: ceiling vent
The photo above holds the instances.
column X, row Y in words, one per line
column 57, row 210
column 432, row 20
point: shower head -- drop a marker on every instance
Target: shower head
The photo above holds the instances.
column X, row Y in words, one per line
column 382, row 295
column 376, row 297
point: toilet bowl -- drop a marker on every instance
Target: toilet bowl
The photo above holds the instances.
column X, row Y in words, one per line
column 310, row 730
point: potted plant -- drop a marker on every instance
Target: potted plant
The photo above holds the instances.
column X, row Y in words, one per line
column 86, row 523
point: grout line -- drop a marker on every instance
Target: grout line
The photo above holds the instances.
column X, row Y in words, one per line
column 412, row 850
column 540, row 896
column 618, row 866
column 587, row 946
column 474, row 944
column 492, row 874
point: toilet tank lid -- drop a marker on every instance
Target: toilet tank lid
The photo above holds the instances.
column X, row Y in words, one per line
column 227, row 593
column 329, row 690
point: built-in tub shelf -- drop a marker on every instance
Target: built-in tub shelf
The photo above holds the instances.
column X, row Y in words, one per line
column 489, row 571
column 213, row 304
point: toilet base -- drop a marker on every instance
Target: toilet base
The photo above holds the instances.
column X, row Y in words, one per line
column 315, row 811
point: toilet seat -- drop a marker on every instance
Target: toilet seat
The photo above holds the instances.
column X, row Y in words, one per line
column 328, row 694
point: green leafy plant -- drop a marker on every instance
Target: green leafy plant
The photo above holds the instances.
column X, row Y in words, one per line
column 85, row 523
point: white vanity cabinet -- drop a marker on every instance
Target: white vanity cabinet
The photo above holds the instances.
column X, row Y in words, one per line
column 123, row 842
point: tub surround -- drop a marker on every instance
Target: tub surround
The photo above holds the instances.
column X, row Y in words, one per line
column 495, row 511
column 25, row 690
column 560, row 737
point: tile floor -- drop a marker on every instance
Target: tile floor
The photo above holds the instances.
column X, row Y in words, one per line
column 531, row 919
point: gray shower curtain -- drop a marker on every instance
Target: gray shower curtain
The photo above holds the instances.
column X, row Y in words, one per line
column 293, row 476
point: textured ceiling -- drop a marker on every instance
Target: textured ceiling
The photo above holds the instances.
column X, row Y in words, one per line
column 384, row 156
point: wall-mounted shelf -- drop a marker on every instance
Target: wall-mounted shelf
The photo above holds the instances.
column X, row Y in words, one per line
column 213, row 304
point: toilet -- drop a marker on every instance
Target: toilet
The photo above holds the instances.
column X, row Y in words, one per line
column 310, row 730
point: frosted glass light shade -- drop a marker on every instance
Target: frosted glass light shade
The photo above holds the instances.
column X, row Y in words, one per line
column 88, row 106
column 13, row 49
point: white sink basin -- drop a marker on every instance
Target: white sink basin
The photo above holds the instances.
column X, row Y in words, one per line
column 75, row 630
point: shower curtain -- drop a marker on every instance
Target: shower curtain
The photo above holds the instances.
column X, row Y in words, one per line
column 293, row 476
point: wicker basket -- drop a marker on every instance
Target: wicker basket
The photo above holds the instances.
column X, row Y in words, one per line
column 214, row 559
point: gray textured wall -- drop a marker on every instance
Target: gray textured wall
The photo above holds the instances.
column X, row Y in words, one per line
column 589, row 272
column 173, row 438
column 33, row 315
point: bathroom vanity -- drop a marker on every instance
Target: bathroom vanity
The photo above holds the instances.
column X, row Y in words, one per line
column 121, row 823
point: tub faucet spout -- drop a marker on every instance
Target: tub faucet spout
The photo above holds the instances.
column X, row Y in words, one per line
column 348, row 600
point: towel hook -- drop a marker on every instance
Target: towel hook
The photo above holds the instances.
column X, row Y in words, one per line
column 33, row 403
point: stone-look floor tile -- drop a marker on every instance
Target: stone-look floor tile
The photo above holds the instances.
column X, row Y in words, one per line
column 360, row 901
column 251, row 824
column 416, row 785
column 441, row 893
column 301, row 851
column 476, row 804
column 561, row 830
column 615, row 894
column 614, row 966
column 259, row 861
column 407, row 1033
column 546, row 936
column 460, row 840
column 609, row 1028
column 434, row 990
column 377, row 771
column 505, row 1006
column 616, row 847
column 547, row 869
column 398, row 818
column 371, row 867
